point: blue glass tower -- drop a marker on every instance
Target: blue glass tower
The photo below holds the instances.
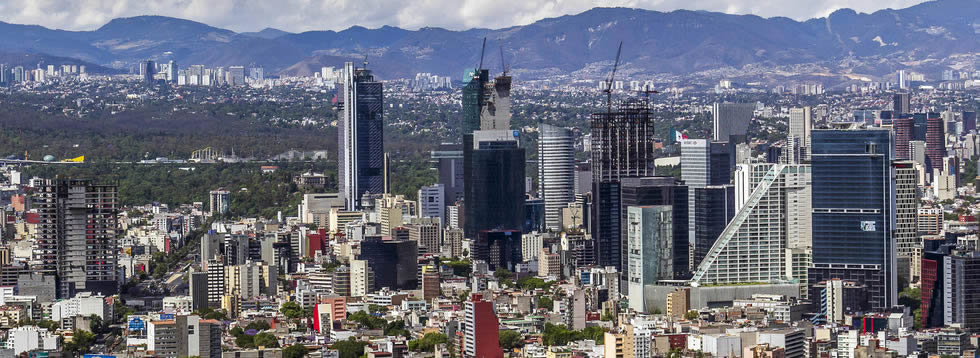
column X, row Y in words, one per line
column 854, row 211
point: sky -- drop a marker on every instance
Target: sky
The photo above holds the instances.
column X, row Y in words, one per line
column 306, row 15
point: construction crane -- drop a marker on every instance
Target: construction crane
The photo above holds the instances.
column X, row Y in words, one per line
column 647, row 92
column 503, row 65
column 482, row 50
column 612, row 76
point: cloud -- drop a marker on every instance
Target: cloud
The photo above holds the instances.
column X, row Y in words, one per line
column 305, row 15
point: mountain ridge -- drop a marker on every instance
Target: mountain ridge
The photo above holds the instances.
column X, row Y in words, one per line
column 674, row 42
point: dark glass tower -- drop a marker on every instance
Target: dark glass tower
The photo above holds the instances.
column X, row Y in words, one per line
column 854, row 211
column 361, row 136
column 714, row 207
column 395, row 262
column 494, row 183
column 499, row 248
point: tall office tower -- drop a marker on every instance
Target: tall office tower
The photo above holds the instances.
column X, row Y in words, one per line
column 901, row 104
column 481, row 330
column 908, row 247
column 655, row 191
column 556, row 172
column 622, row 147
column 216, row 282
column 649, row 249
column 77, row 236
column 714, row 208
column 969, row 121
column 773, row 203
column 256, row 74
column 395, row 262
column 935, row 143
column 903, row 80
column 198, row 286
column 172, row 71
column 931, row 285
column 731, row 119
column 854, row 211
column 361, row 142
column 703, row 163
column 495, row 113
column 800, row 125
column 917, row 152
column 432, row 202
column 475, row 96
column 500, row 249
column 147, row 70
column 494, row 182
column 220, row 201
column 904, row 130
column 450, row 157
column 961, row 303
column 4, row 75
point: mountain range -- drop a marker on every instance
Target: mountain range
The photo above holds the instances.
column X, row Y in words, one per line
column 676, row 42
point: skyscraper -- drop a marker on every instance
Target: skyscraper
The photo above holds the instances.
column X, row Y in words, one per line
column 961, row 303
column 800, row 125
column 657, row 191
column 220, row 201
column 904, row 130
column 771, row 202
column 361, row 132
column 147, row 70
column 77, row 236
column 649, row 249
column 854, row 211
column 901, row 103
column 703, row 163
column 731, row 119
column 500, row 249
column 556, row 170
column 908, row 246
column 432, row 203
column 714, row 207
column 622, row 147
column 494, row 182
column 172, row 71
column 935, row 142
column 450, row 158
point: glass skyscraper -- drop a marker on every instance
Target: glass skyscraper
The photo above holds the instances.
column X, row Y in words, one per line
column 361, row 142
column 854, row 211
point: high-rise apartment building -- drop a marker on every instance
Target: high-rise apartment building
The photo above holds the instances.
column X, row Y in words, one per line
column 77, row 235
column 908, row 246
column 935, row 143
column 235, row 76
column 220, row 201
column 147, row 70
column 622, row 147
column 432, row 202
column 854, row 211
column 427, row 232
column 216, row 282
column 904, row 126
column 361, row 136
column 481, row 332
column 731, row 119
column 556, row 172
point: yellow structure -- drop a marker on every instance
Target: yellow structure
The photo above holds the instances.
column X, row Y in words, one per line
column 80, row 159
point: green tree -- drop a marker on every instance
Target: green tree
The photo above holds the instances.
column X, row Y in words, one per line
column 291, row 310
column 350, row 348
column 266, row 339
column 373, row 308
column 258, row 326
column 295, row 351
column 691, row 315
column 428, row 342
column 546, row 303
column 245, row 341
column 81, row 342
column 510, row 340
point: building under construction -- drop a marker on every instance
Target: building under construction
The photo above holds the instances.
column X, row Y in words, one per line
column 622, row 147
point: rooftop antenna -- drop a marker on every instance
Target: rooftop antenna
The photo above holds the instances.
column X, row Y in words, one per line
column 612, row 76
column 482, row 50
